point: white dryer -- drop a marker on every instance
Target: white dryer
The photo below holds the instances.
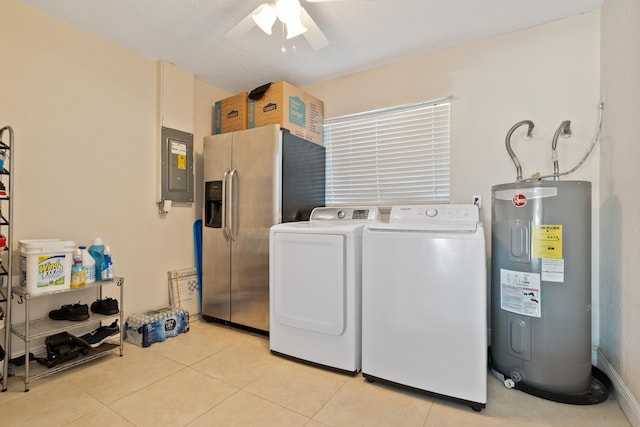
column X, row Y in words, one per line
column 315, row 287
column 424, row 302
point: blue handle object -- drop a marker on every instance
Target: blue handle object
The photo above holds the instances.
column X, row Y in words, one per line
column 197, row 237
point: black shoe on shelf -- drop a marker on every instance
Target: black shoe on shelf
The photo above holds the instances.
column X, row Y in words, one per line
column 107, row 306
column 19, row 361
column 100, row 335
column 75, row 312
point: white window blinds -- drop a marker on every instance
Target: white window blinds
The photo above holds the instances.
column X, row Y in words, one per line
column 392, row 156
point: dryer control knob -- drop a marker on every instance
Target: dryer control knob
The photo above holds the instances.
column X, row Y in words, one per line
column 341, row 214
column 431, row 212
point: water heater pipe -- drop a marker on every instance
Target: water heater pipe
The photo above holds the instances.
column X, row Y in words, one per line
column 584, row 158
column 565, row 130
column 507, row 143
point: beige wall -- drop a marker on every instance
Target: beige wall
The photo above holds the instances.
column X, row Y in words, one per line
column 84, row 115
column 620, row 199
column 547, row 74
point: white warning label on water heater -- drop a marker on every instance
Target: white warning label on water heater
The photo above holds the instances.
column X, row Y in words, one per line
column 520, row 292
column 552, row 270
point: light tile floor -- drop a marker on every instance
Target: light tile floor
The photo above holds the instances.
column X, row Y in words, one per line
column 217, row 376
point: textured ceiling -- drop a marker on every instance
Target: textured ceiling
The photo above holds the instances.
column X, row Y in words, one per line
column 362, row 34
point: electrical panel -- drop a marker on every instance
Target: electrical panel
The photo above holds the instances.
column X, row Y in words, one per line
column 177, row 165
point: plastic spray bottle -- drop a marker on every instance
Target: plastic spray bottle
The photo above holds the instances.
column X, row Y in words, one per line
column 107, row 266
column 78, row 272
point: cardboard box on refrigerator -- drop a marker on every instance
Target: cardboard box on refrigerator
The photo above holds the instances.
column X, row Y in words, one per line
column 291, row 108
column 230, row 114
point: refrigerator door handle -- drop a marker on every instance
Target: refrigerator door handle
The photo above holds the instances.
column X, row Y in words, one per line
column 231, row 206
column 225, row 231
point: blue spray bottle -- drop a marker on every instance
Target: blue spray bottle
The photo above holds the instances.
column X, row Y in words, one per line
column 107, row 267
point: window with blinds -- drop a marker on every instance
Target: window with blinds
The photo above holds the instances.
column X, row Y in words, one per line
column 398, row 155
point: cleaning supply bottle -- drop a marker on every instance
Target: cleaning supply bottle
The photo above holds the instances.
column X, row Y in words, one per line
column 96, row 250
column 107, row 266
column 89, row 264
column 78, row 272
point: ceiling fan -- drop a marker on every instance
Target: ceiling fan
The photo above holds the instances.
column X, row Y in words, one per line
column 292, row 15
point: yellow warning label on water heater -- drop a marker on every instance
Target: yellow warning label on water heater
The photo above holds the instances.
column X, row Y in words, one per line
column 547, row 241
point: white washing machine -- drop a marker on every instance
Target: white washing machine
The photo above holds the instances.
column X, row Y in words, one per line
column 424, row 302
column 315, row 287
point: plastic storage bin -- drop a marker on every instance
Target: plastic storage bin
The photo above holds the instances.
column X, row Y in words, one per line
column 45, row 265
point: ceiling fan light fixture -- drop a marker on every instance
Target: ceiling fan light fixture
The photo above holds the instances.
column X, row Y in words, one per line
column 288, row 10
column 295, row 28
column 265, row 17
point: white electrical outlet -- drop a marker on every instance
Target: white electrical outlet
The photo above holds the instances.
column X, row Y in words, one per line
column 477, row 200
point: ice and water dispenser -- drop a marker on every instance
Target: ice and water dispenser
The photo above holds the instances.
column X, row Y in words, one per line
column 213, row 204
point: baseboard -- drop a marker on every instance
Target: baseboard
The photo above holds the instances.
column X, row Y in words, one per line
column 626, row 400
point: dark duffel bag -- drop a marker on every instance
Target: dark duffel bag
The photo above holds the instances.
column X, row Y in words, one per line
column 62, row 347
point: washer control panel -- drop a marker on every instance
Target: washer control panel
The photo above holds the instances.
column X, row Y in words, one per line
column 350, row 214
column 437, row 217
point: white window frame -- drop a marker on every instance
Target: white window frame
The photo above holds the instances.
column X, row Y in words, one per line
column 396, row 155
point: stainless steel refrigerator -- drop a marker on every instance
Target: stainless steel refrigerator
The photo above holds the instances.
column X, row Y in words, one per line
column 254, row 179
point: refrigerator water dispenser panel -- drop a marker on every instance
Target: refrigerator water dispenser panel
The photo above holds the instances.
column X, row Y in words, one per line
column 213, row 204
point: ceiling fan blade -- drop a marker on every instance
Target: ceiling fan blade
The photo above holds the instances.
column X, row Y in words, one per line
column 243, row 26
column 314, row 35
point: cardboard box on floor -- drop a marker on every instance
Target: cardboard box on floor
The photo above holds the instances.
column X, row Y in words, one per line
column 230, row 114
column 291, row 108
